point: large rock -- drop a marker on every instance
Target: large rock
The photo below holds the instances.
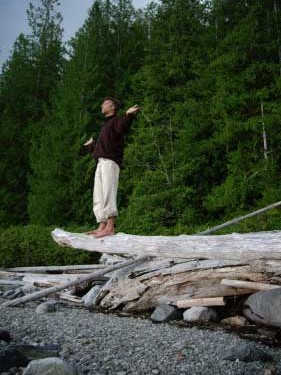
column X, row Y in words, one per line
column 165, row 313
column 47, row 307
column 235, row 321
column 247, row 352
column 13, row 293
column 200, row 314
column 50, row 366
column 5, row 335
column 32, row 352
column 11, row 357
column 264, row 307
column 90, row 298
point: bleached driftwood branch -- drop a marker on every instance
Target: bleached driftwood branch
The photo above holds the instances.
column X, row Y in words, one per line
column 243, row 247
column 249, row 285
column 238, row 219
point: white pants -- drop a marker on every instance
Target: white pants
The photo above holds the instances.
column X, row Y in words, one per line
column 105, row 190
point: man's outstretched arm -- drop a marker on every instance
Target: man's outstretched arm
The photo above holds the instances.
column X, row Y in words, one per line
column 133, row 110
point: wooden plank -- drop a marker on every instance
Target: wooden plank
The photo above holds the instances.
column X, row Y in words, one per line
column 248, row 284
column 70, row 268
column 50, row 279
column 12, row 282
column 69, row 298
column 243, row 247
column 191, row 302
column 46, row 292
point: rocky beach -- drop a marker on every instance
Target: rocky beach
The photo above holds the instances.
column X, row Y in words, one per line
column 107, row 344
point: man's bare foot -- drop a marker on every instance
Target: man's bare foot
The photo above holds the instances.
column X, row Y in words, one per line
column 99, row 229
column 105, row 232
column 92, row 232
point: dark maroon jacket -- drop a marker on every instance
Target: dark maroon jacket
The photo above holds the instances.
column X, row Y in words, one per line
column 110, row 143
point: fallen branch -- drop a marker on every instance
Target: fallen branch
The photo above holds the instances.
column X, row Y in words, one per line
column 79, row 280
column 57, row 269
column 248, row 284
column 238, row 219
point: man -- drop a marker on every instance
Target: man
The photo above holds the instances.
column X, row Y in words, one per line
column 108, row 152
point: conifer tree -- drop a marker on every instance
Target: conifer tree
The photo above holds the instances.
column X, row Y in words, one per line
column 27, row 81
column 16, row 109
column 160, row 198
column 246, row 131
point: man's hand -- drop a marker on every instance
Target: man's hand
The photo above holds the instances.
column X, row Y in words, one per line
column 133, row 110
column 88, row 142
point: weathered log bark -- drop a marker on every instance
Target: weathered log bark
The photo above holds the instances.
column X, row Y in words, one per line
column 249, row 246
column 136, row 294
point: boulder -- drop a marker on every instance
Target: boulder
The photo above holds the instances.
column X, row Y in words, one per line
column 13, row 293
column 5, row 335
column 264, row 307
column 50, row 366
column 90, row 298
column 235, row 321
column 10, row 357
column 32, row 352
column 47, row 307
column 248, row 352
column 165, row 313
column 200, row 314
column 29, row 288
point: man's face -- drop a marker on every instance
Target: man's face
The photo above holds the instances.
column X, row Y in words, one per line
column 107, row 107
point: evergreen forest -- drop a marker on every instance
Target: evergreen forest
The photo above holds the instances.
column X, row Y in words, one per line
column 206, row 146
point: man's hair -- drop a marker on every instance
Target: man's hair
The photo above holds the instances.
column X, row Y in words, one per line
column 117, row 103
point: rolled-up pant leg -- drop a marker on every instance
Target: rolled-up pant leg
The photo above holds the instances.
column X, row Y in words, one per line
column 105, row 190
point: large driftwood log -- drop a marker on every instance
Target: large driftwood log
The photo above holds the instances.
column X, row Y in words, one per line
column 262, row 245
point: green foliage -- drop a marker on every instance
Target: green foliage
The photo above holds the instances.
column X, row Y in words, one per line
column 32, row 245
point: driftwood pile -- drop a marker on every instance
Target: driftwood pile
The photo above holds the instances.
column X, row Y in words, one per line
column 183, row 270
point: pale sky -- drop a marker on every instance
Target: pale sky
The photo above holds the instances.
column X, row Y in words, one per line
column 13, row 20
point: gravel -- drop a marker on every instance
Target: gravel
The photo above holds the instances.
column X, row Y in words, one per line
column 109, row 344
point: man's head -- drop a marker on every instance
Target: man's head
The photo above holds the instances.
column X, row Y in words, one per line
column 110, row 106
